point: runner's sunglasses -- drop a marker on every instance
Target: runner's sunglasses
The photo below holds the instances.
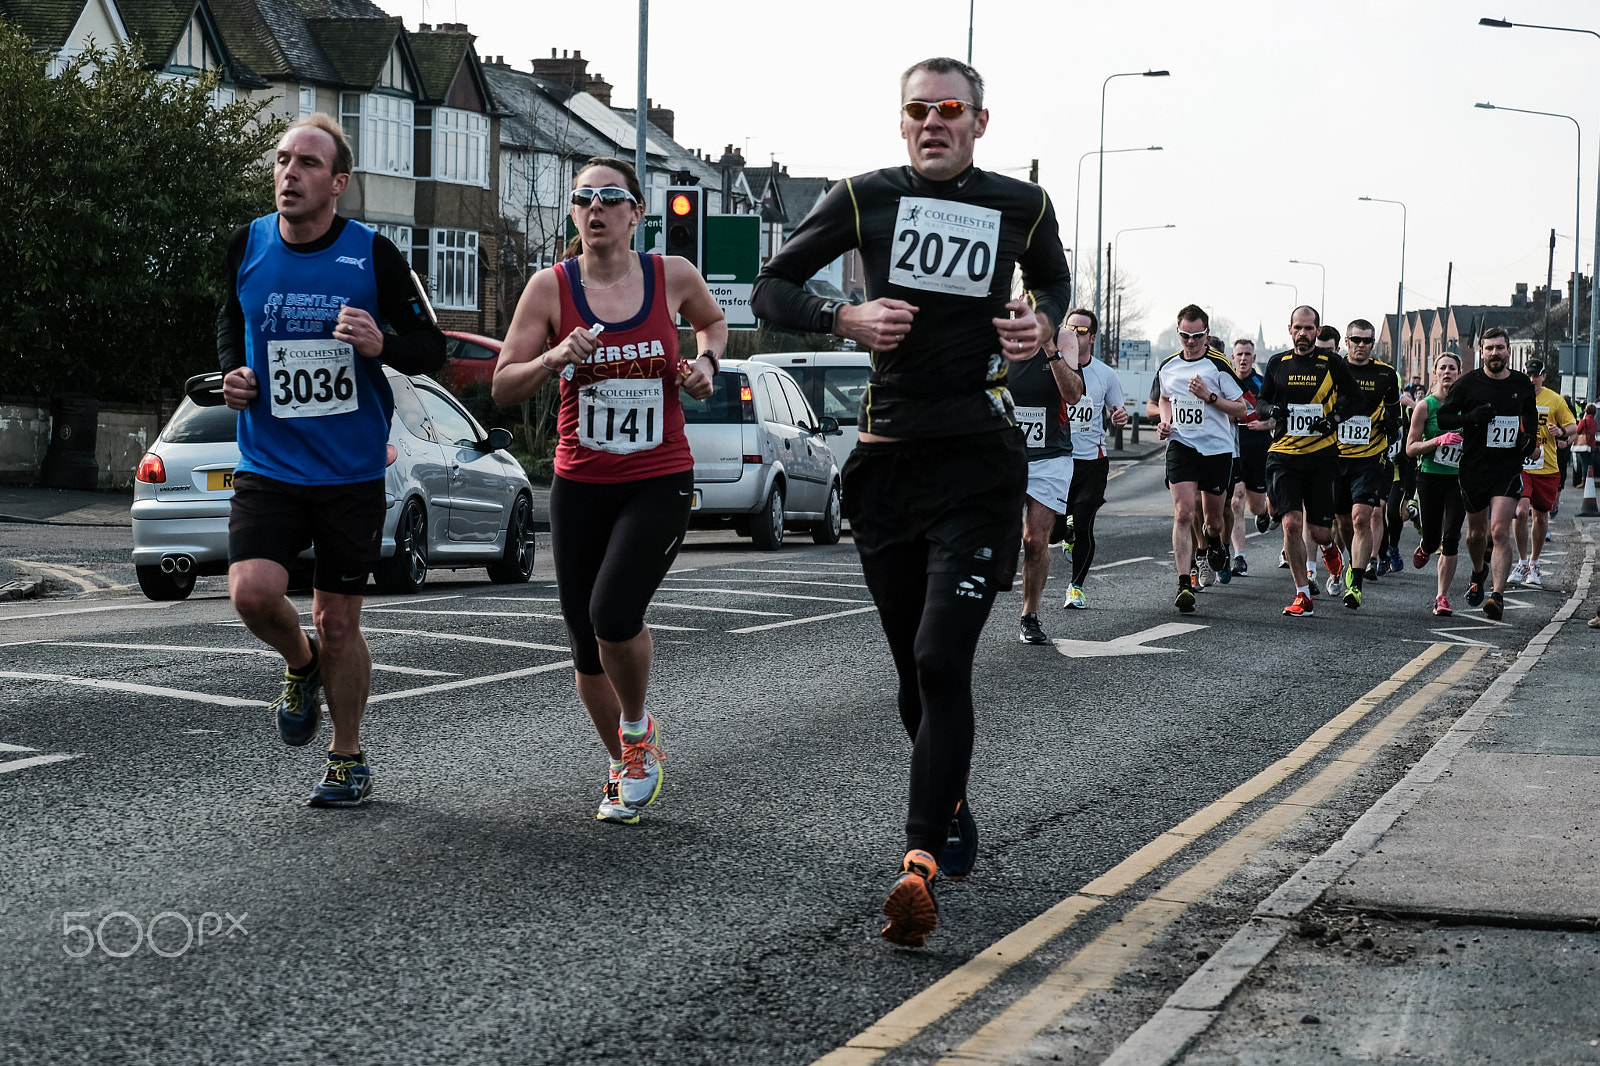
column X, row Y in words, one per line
column 610, row 196
column 917, row 110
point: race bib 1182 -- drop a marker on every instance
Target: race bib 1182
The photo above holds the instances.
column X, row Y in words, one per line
column 309, row 379
column 944, row 246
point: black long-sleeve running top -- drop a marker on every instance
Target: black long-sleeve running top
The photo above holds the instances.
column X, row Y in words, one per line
column 1497, row 417
column 949, row 248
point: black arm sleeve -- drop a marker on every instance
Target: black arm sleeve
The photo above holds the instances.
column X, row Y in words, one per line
column 1351, row 400
column 1267, row 398
column 416, row 346
column 779, row 295
column 1045, row 274
column 1452, row 413
column 230, row 316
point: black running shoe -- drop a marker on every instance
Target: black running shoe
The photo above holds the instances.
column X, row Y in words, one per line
column 960, row 851
column 1475, row 589
column 1493, row 607
column 1217, row 556
column 346, row 782
column 1262, row 522
column 1185, row 600
column 298, row 708
column 1032, row 631
column 1240, row 567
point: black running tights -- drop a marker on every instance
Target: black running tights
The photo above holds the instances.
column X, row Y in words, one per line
column 1443, row 511
column 1083, row 540
column 933, row 622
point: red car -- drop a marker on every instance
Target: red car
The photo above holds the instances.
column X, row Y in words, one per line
column 470, row 358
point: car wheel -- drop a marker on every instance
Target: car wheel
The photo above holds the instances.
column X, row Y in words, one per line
column 408, row 568
column 516, row 565
column 162, row 586
column 766, row 528
column 827, row 530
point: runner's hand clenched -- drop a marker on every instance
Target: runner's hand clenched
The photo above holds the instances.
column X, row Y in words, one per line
column 1022, row 336
column 356, row 328
column 880, row 325
column 239, row 387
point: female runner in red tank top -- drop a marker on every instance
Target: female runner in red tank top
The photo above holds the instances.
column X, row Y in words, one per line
column 619, row 505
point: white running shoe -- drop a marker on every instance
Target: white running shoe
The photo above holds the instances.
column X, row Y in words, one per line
column 1334, row 585
column 1202, row 565
column 612, row 809
column 641, row 770
column 1519, row 572
column 1534, row 578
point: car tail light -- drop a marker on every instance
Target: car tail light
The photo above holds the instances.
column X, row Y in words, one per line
column 152, row 471
column 747, row 400
column 391, row 455
column 755, row 459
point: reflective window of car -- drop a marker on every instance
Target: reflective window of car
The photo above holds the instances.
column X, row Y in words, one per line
column 450, row 423
column 457, row 348
column 798, row 408
column 842, row 390
column 777, row 406
column 409, row 410
column 193, row 424
column 722, row 407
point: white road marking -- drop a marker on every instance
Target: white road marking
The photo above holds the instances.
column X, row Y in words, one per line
column 1123, row 562
column 564, row 664
column 765, row 595
column 91, row 610
column 777, row 581
column 37, row 760
column 128, row 686
column 194, row 732
column 721, row 610
column 1132, row 644
column 15, row 747
column 467, row 638
column 431, row 599
column 785, row 573
column 802, row 621
column 265, row 652
column 521, row 599
column 485, row 614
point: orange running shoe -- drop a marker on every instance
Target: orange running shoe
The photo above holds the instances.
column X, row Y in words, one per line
column 910, row 908
column 1302, row 606
column 1332, row 558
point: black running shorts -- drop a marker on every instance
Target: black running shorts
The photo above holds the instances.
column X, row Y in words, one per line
column 1478, row 487
column 277, row 520
column 1250, row 467
column 1302, row 481
column 1210, row 472
column 1364, row 481
column 1089, row 478
column 961, row 496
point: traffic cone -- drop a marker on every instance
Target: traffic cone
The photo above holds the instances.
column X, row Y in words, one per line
column 1589, row 509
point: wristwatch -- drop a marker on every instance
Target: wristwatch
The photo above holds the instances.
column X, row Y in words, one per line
column 829, row 310
column 1053, row 357
column 1212, row 398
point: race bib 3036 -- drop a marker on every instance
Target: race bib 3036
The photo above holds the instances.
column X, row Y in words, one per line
column 310, row 379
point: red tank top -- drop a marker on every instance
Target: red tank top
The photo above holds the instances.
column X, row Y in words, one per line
column 620, row 417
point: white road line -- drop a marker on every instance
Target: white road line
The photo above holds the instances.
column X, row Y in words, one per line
column 1123, row 562
column 488, row 614
column 721, row 610
column 37, row 760
column 433, row 599
column 564, row 664
column 467, row 638
column 776, row 581
column 90, row 610
column 265, row 652
column 521, row 599
column 802, row 621
column 787, row 573
column 764, row 595
column 15, row 747
column 128, row 686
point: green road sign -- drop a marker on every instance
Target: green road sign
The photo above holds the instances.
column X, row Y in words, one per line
column 732, row 259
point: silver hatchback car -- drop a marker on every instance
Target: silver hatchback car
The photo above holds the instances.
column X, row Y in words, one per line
column 761, row 457
column 456, row 498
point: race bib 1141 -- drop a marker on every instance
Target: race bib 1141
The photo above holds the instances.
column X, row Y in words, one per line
column 621, row 415
column 944, row 246
column 310, row 379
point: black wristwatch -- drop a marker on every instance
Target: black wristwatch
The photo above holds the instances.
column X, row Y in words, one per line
column 716, row 364
column 1211, row 399
column 1053, row 356
column 829, row 310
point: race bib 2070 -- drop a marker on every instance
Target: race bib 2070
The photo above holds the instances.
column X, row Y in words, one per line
column 944, row 246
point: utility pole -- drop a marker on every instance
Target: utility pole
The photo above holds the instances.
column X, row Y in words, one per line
column 1033, row 172
column 641, row 112
column 1549, row 297
column 1449, row 275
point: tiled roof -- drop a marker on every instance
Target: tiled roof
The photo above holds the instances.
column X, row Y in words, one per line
column 676, row 156
column 357, row 47
column 439, row 55
column 45, row 22
column 534, row 118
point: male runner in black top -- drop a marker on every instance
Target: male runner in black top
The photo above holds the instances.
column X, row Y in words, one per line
column 1494, row 408
column 1043, row 388
column 1365, row 475
column 934, row 489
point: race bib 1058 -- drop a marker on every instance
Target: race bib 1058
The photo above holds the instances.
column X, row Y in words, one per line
column 944, row 246
column 1187, row 411
column 310, row 379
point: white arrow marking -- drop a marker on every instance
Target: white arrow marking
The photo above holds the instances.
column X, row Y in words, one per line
column 1132, row 644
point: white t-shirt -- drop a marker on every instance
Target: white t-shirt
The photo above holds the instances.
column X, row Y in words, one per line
column 1101, row 392
column 1194, row 422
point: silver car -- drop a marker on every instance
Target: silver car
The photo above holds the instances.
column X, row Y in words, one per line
column 761, row 457
column 455, row 497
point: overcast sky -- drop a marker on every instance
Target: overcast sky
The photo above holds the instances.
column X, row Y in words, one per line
column 1276, row 118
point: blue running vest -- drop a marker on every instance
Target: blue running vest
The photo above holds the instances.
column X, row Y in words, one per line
column 322, row 416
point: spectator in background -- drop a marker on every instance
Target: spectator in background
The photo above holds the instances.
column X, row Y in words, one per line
column 1583, row 446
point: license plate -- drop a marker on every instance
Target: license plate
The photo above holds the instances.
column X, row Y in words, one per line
column 694, row 501
column 218, row 480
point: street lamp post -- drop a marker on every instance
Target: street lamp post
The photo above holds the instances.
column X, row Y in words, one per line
column 1400, row 297
column 1078, row 201
column 1577, row 221
column 1116, row 261
column 1100, row 195
column 1322, row 308
column 1290, row 285
column 1594, row 291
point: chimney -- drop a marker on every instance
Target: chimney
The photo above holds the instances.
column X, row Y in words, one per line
column 572, row 72
column 599, row 88
column 423, row 27
column 730, row 164
column 1520, row 297
column 659, row 117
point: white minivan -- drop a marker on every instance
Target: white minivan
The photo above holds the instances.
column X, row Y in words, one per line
column 834, row 383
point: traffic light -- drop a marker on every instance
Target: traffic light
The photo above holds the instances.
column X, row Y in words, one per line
column 685, row 222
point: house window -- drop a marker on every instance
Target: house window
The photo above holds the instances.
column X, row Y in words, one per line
column 453, row 273
column 379, row 128
column 308, row 100
column 453, row 146
column 399, row 235
column 192, row 52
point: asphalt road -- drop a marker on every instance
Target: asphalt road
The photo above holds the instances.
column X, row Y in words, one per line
column 475, row 912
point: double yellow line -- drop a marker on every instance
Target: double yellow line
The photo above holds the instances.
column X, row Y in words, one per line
column 1098, row 963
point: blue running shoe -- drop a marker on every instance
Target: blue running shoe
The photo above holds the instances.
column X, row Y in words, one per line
column 346, row 782
column 960, row 850
column 298, row 707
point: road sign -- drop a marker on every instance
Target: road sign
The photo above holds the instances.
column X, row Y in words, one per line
column 1133, row 350
column 647, row 238
column 732, row 260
